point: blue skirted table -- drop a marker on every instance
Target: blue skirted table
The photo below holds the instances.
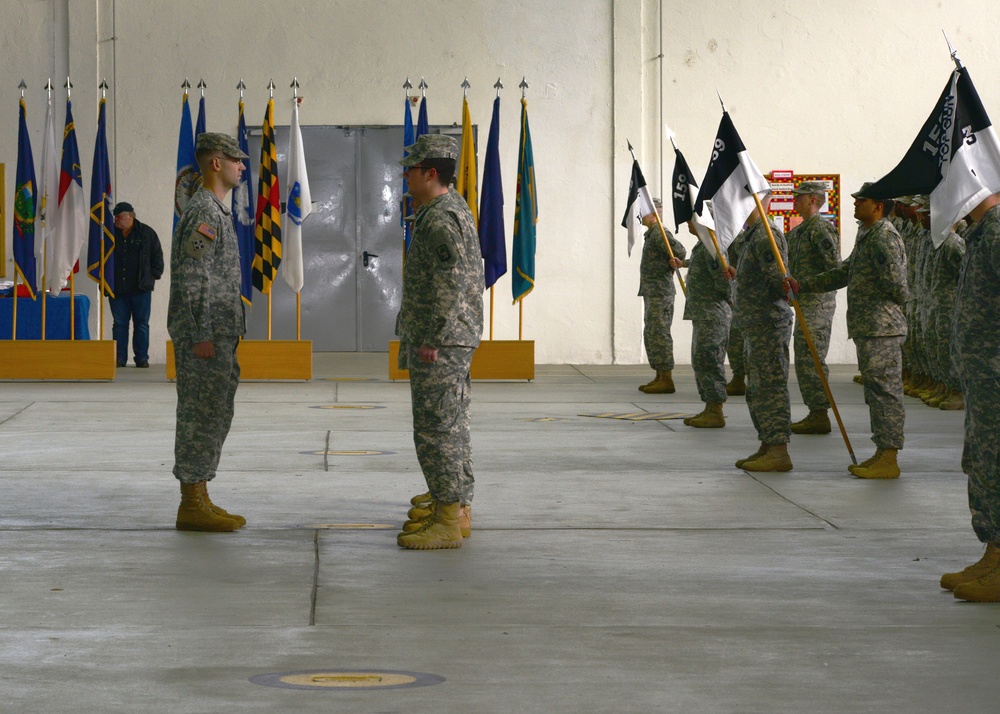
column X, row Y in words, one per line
column 29, row 317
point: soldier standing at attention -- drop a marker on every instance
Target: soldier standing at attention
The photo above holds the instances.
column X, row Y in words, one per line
column 439, row 326
column 708, row 306
column 656, row 287
column 813, row 247
column 205, row 320
column 977, row 358
column 875, row 277
column 765, row 319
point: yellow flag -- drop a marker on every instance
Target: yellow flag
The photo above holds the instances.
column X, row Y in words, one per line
column 467, row 164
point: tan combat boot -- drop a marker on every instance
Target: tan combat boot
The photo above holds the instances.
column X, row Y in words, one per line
column 986, row 588
column 953, row 402
column 737, row 386
column 937, row 390
column 464, row 522
column 195, row 515
column 881, row 465
column 440, row 531
column 816, row 422
column 989, row 561
column 776, row 458
column 858, row 379
column 664, row 384
column 421, row 499
column 757, row 454
column 710, row 418
column 650, row 383
column 203, row 487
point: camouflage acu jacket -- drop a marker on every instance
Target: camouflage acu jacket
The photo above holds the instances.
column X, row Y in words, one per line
column 813, row 248
column 708, row 290
column 875, row 277
column 760, row 296
column 656, row 277
column 443, row 278
column 205, row 300
column 977, row 302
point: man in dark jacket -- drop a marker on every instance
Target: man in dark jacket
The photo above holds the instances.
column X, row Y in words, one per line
column 138, row 265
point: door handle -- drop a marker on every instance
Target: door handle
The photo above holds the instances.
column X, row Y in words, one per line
column 366, row 255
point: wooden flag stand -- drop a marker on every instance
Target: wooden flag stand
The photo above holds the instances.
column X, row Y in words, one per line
column 66, row 360
column 289, row 360
column 493, row 359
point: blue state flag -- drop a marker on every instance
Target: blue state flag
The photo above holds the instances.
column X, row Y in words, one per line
column 187, row 179
column 525, row 214
column 25, row 205
column 492, row 240
column 407, row 203
column 243, row 216
column 422, row 126
column 199, row 125
column 101, row 238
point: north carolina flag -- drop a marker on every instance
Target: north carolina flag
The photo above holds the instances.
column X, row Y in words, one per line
column 298, row 206
column 639, row 205
column 730, row 183
column 188, row 177
column 101, row 244
column 243, row 215
column 25, row 204
column 492, row 239
column 48, row 197
column 955, row 158
column 71, row 221
column 267, row 227
column 525, row 214
column 468, row 166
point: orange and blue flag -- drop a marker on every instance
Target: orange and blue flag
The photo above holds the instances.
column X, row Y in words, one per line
column 25, row 205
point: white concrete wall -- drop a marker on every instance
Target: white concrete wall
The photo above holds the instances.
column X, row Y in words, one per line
column 840, row 88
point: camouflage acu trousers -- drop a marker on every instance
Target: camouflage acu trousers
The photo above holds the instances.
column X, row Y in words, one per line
column 658, row 315
column 819, row 320
column 767, row 381
column 943, row 318
column 981, row 456
column 441, row 393
column 206, row 389
column 737, row 360
column 880, row 360
column 709, row 339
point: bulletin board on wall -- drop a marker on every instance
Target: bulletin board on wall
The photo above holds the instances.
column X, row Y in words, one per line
column 781, row 209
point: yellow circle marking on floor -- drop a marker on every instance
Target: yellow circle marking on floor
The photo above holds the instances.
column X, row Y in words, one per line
column 354, row 680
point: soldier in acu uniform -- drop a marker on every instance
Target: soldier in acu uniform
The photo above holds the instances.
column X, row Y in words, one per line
column 977, row 359
column 813, row 248
column 205, row 320
column 656, row 287
column 439, row 326
column 875, row 277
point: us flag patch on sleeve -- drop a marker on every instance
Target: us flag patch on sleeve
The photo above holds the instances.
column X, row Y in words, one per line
column 207, row 231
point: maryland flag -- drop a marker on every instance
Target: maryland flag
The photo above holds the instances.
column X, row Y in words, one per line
column 267, row 231
column 25, row 203
column 525, row 213
column 101, row 243
column 467, row 164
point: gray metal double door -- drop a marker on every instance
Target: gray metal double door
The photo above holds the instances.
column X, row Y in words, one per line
column 352, row 243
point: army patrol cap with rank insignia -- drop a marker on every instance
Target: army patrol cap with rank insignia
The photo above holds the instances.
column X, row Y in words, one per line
column 810, row 187
column 430, row 146
column 211, row 141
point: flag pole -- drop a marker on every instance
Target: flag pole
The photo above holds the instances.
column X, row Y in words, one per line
column 498, row 86
column 520, row 307
column 952, row 51
column 298, row 293
column 45, row 239
column 102, row 284
column 663, row 232
column 805, row 329
column 72, row 280
column 407, row 86
column 13, row 310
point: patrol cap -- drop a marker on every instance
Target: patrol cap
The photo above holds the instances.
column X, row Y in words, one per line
column 866, row 192
column 123, row 208
column 211, row 141
column 810, row 187
column 430, row 146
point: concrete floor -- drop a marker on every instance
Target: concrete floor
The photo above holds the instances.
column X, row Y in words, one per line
column 615, row 566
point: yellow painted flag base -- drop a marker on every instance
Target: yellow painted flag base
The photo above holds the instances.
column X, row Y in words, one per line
column 265, row 359
column 58, row 359
column 493, row 359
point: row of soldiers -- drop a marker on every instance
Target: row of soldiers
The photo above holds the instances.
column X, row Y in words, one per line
column 940, row 298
